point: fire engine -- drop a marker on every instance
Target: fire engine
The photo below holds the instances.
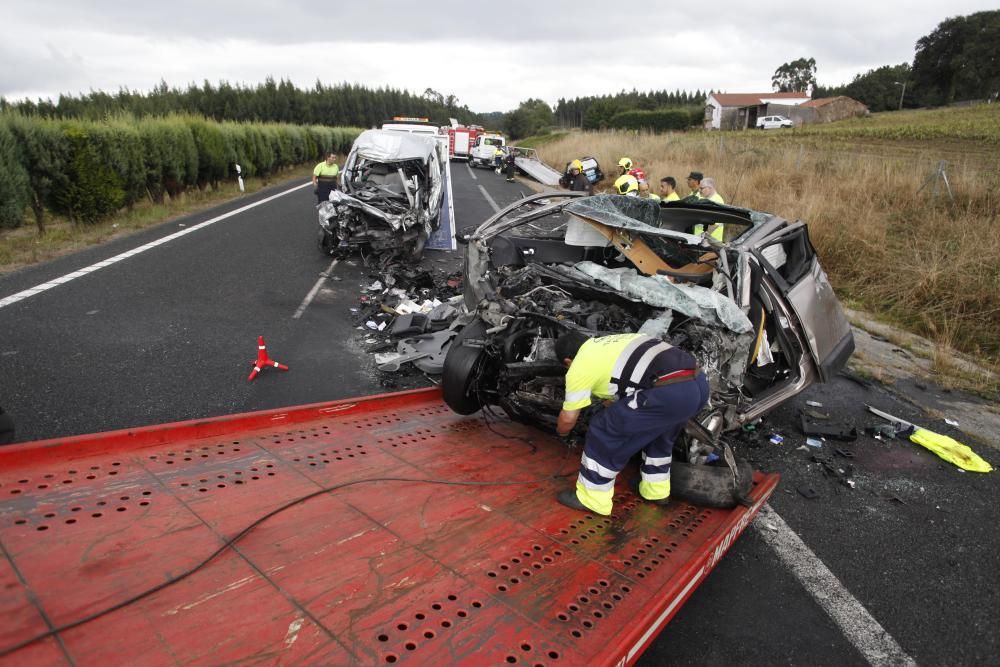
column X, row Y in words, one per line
column 461, row 138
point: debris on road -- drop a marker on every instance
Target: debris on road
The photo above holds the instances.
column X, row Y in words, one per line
column 832, row 431
column 776, row 439
column 944, row 446
column 813, row 442
column 807, row 492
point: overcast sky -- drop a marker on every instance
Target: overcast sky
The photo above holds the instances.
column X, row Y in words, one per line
column 490, row 58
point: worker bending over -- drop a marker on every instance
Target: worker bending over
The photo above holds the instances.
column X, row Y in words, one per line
column 650, row 390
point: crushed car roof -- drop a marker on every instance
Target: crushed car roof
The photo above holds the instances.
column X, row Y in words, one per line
column 389, row 146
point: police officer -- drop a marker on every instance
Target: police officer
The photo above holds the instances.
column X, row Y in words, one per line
column 650, row 390
column 694, row 185
column 325, row 177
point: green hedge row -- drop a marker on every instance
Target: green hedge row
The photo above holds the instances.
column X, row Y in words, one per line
column 657, row 121
column 87, row 170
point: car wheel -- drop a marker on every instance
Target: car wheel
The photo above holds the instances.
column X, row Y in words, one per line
column 710, row 485
column 462, row 367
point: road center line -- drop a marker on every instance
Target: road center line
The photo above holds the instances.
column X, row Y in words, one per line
column 62, row 280
column 489, row 199
column 471, row 173
column 859, row 627
column 315, row 290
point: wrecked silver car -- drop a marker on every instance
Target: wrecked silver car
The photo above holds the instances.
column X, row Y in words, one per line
column 389, row 201
column 756, row 308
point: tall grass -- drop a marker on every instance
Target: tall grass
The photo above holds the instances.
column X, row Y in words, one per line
column 920, row 261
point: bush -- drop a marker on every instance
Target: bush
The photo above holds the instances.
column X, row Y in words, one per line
column 14, row 187
column 94, row 190
column 211, row 145
column 654, row 121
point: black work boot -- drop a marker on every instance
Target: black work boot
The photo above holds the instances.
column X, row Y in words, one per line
column 569, row 499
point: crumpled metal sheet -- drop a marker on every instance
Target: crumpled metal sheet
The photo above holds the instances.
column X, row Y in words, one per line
column 389, row 146
column 722, row 353
column 616, row 210
column 404, row 221
column 694, row 301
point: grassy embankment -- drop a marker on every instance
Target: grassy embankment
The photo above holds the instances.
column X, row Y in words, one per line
column 915, row 260
column 23, row 246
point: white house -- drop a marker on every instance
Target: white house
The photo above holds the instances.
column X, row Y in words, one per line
column 734, row 111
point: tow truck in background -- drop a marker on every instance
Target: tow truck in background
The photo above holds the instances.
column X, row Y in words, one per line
column 484, row 149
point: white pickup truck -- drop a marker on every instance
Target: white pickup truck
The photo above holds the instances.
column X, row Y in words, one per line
column 481, row 154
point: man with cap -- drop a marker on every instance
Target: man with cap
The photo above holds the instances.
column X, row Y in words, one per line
column 694, row 184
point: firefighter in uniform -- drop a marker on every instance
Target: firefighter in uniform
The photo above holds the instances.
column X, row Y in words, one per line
column 650, row 390
column 577, row 180
column 325, row 177
column 627, row 185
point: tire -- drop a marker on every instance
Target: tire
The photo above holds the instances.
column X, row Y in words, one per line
column 709, row 485
column 461, row 367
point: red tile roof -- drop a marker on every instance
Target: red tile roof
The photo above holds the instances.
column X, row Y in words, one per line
column 752, row 99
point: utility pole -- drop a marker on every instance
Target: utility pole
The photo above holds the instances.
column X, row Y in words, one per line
column 901, row 94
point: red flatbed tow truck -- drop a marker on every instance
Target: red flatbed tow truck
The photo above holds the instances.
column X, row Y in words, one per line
column 256, row 539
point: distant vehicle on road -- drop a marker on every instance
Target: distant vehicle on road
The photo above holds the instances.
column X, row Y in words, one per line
column 390, row 195
column 774, row 122
column 485, row 148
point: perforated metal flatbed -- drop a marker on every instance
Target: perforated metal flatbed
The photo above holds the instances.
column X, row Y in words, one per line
column 374, row 573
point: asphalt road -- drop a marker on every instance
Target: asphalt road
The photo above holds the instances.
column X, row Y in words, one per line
column 169, row 334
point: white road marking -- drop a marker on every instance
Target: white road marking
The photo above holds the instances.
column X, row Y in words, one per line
column 496, row 209
column 471, row 173
column 858, row 626
column 62, row 280
column 314, row 291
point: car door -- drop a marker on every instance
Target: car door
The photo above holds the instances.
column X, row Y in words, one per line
column 789, row 260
